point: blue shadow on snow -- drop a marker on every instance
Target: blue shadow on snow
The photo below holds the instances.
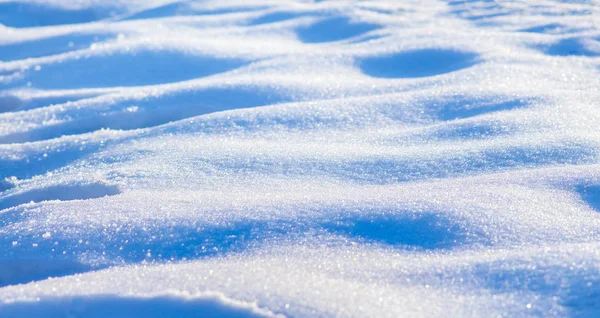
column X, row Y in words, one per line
column 10, row 103
column 49, row 46
column 60, row 192
column 123, row 307
column 153, row 111
column 550, row 28
column 333, row 29
column 590, row 194
column 24, row 15
column 459, row 108
column 570, row 47
column 471, row 130
column 131, row 69
column 167, row 10
column 37, row 163
column 43, row 101
column 184, row 9
column 426, row 231
column 575, row 288
column 153, row 240
column 23, row 271
column 275, row 17
column 417, row 63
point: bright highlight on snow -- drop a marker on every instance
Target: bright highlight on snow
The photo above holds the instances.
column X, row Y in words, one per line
column 299, row 158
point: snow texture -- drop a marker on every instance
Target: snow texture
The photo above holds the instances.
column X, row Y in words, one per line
column 294, row 158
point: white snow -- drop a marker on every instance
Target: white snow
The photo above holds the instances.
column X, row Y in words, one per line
column 298, row 158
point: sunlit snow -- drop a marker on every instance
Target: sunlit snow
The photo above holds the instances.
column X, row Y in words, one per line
column 252, row 158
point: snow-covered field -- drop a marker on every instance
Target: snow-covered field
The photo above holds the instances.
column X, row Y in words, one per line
column 295, row 158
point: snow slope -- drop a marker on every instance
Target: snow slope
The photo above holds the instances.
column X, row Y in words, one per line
column 295, row 158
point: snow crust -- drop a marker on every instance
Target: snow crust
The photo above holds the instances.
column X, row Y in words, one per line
column 297, row 158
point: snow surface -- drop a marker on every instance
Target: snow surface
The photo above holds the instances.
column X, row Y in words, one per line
column 332, row 158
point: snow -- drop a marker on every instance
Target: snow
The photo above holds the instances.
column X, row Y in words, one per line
column 295, row 158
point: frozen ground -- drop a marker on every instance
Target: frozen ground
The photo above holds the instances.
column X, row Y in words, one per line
column 333, row 158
